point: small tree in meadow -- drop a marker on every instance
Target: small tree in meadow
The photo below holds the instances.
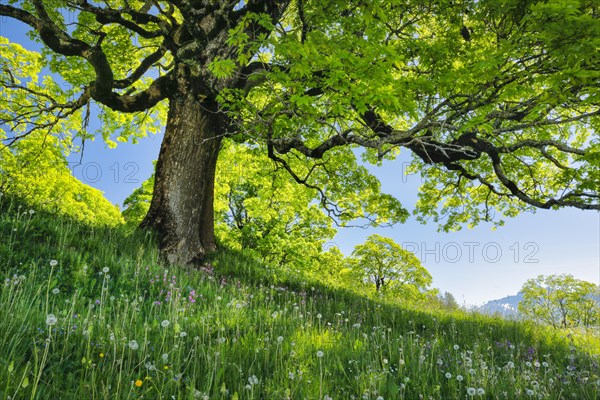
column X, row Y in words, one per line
column 561, row 301
column 386, row 264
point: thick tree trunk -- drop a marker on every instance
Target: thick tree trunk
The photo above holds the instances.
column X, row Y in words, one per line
column 182, row 211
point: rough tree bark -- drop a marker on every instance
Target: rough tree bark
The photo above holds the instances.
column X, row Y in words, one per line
column 182, row 211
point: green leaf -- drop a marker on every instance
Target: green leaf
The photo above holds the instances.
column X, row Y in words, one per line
column 222, row 68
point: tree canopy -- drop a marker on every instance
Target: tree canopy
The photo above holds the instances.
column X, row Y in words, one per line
column 389, row 267
column 561, row 301
column 497, row 100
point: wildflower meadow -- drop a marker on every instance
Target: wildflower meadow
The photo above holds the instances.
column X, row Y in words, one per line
column 90, row 313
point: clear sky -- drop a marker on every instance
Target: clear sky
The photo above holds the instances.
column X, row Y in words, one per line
column 475, row 265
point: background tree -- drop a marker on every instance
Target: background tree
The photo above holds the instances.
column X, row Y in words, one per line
column 137, row 204
column 260, row 209
column 37, row 173
column 497, row 100
column 384, row 263
column 561, row 301
column 35, row 169
column 448, row 301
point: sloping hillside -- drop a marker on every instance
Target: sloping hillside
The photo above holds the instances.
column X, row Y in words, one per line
column 89, row 313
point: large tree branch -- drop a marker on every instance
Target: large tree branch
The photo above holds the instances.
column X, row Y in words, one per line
column 144, row 66
column 102, row 88
column 108, row 15
column 159, row 90
column 23, row 116
column 467, row 147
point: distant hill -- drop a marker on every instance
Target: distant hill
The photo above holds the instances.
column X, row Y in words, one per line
column 506, row 306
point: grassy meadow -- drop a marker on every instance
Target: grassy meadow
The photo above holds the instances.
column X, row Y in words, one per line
column 90, row 313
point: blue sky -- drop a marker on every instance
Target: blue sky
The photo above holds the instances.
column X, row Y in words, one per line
column 473, row 264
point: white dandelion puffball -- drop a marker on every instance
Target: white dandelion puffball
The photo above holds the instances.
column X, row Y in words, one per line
column 51, row 320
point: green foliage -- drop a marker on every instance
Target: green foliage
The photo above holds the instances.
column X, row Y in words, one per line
column 448, row 301
column 35, row 170
column 137, row 204
column 497, row 99
column 260, row 208
column 391, row 268
column 561, row 301
column 513, row 78
column 237, row 323
column 46, row 103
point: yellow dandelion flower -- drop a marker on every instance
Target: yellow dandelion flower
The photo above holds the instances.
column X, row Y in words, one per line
column 101, row 355
column 138, row 383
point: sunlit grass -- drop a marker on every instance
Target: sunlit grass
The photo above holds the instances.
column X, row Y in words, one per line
column 106, row 321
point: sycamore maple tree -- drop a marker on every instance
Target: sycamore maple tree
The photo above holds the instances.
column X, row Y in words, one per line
column 497, row 100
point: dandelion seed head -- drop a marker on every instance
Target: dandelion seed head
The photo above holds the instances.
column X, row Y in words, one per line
column 51, row 319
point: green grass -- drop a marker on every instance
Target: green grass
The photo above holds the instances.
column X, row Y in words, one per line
column 240, row 330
